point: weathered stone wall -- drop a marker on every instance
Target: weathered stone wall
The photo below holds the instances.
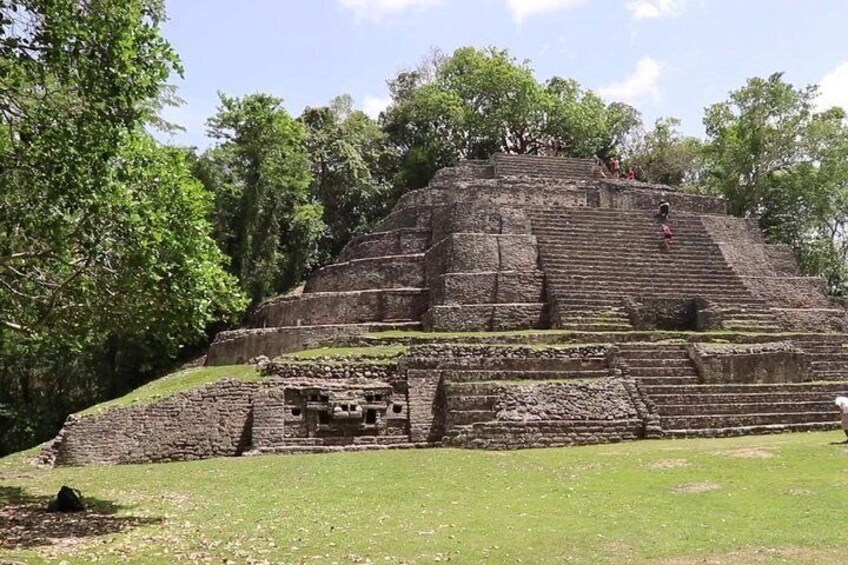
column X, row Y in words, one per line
column 240, row 346
column 779, row 362
column 211, row 421
column 482, row 271
column 398, row 271
column 601, row 399
column 485, row 317
column 479, row 252
column 499, row 287
column 405, row 241
column 355, row 307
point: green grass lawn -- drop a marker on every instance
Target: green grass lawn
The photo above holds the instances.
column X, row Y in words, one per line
column 778, row 499
column 177, row 382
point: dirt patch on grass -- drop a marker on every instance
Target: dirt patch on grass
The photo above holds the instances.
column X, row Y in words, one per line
column 800, row 492
column 669, row 464
column 691, row 488
column 747, row 453
column 755, row 556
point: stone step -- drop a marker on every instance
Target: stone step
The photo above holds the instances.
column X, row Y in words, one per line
column 605, row 251
column 830, row 375
column 650, row 277
column 589, row 326
column 606, row 298
column 594, row 313
column 583, row 253
column 627, row 283
column 750, row 430
column 456, row 378
column 466, row 417
column 763, row 328
column 835, row 388
column 639, row 242
column 643, row 357
column 647, row 214
column 689, row 422
column 639, row 363
column 740, row 405
column 469, row 402
column 830, row 365
column 588, row 251
column 648, row 381
column 564, row 265
column 729, row 398
column 683, row 371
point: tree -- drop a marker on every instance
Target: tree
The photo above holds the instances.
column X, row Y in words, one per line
column 754, row 136
column 104, row 246
column 347, row 149
column 265, row 218
column 663, row 155
column 478, row 102
column 778, row 160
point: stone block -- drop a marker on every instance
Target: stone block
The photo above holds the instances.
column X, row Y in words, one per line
column 779, row 362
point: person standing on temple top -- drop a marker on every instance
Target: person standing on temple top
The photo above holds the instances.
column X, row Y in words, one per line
column 631, row 173
column 668, row 234
column 615, row 167
column 842, row 402
column 600, row 167
column 664, row 209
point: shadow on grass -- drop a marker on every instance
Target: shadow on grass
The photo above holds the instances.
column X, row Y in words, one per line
column 25, row 522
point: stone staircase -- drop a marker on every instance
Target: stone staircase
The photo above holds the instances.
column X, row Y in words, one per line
column 592, row 257
column 669, row 383
column 828, row 355
column 544, row 167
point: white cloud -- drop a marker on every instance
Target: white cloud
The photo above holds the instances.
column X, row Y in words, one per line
column 523, row 9
column 376, row 10
column 647, row 9
column 641, row 84
column 373, row 105
column 833, row 88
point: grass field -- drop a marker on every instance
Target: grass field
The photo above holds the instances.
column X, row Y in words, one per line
column 777, row 499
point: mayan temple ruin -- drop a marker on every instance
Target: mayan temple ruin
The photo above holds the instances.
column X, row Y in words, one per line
column 516, row 302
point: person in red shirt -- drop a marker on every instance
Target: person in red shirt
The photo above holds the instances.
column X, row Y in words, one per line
column 631, row 173
column 668, row 234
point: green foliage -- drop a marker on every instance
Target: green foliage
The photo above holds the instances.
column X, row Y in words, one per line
column 772, row 499
column 779, row 161
column 478, row 102
column 265, row 218
column 106, row 266
column 347, row 150
column 663, row 155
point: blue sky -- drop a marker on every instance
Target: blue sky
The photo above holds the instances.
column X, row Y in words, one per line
column 666, row 57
